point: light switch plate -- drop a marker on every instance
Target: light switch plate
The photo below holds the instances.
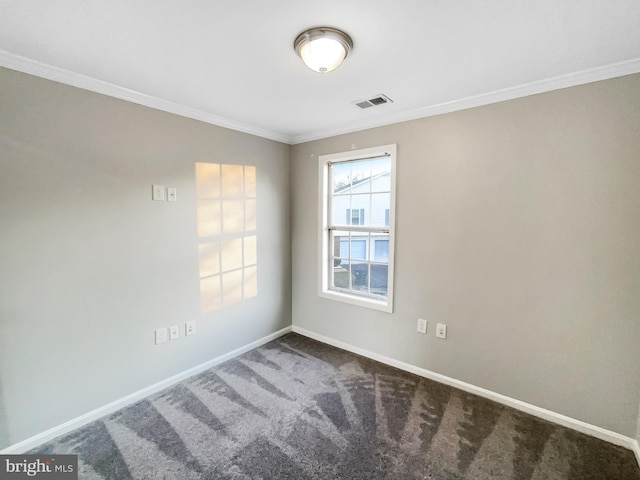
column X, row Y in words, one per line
column 172, row 194
column 158, row 193
column 441, row 330
column 161, row 335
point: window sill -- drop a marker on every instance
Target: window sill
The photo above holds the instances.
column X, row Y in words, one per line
column 370, row 303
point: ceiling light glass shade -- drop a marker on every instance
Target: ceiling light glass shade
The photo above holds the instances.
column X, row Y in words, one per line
column 323, row 49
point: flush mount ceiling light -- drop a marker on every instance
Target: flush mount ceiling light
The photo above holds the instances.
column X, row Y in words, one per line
column 323, row 49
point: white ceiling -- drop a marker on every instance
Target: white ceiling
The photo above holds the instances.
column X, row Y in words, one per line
column 232, row 63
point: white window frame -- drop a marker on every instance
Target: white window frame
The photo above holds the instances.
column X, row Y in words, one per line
column 324, row 264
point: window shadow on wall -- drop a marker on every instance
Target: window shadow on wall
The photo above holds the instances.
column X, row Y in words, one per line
column 227, row 236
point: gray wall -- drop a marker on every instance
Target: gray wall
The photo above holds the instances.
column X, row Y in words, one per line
column 517, row 226
column 90, row 266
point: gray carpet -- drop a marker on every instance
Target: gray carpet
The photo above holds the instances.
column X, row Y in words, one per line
column 298, row 409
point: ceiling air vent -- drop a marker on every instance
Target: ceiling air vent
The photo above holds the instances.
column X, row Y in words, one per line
column 373, row 102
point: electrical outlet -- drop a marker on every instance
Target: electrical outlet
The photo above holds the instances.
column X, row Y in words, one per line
column 422, row 325
column 161, row 335
column 173, row 332
column 190, row 327
column 441, row 330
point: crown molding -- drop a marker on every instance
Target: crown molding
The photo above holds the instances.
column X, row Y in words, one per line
column 555, row 83
column 33, row 67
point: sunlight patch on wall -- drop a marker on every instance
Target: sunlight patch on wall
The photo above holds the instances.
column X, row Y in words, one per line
column 227, row 240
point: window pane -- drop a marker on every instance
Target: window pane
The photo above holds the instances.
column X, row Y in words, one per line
column 341, row 210
column 340, row 274
column 360, row 276
column 340, row 243
column 381, row 175
column 341, row 178
column 344, row 248
column 360, row 208
column 381, row 250
column 359, row 246
column 361, row 176
column 379, row 279
column 380, row 205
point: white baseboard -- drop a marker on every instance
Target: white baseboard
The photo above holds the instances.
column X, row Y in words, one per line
column 636, row 450
column 88, row 417
column 572, row 423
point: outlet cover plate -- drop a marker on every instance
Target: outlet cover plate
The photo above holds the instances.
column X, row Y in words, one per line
column 441, row 330
column 173, row 332
column 190, row 327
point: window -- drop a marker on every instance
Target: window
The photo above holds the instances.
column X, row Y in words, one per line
column 357, row 199
column 355, row 216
